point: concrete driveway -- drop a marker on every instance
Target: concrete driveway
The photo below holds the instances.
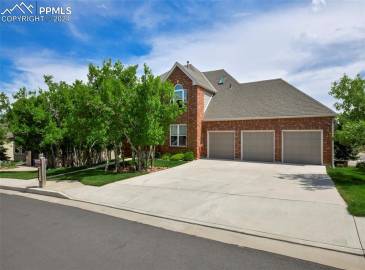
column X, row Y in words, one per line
column 287, row 202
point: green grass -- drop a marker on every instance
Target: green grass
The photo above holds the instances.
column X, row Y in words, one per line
column 98, row 177
column 19, row 175
column 7, row 164
column 350, row 182
column 95, row 177
column 26, row 175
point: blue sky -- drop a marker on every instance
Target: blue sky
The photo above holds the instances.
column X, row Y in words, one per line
column 308, row 43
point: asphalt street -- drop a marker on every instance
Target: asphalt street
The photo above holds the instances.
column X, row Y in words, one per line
column 41, row 236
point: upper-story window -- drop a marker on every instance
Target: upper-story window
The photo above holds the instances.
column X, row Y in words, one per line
column 180, row 94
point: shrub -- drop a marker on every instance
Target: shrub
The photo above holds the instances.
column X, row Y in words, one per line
column 3, row 156
column 361, row 165
column 176, row 157
column 158, row 155
column 166, row 156
column 345, row 152
column 189, row 156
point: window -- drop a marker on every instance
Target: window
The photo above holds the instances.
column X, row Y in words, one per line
column 180, row 94
column 178, row 135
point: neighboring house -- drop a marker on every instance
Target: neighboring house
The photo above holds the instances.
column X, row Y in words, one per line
column 12, row 152
column 269, row 121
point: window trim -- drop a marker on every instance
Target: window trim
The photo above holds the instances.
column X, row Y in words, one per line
column 184, row 93
column 178, row 135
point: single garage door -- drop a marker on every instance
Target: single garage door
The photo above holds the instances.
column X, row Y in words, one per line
column 258, row 145
column 221, row 144
column 303, row 147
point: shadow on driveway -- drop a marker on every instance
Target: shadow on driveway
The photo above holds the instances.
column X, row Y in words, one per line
column 310, row 181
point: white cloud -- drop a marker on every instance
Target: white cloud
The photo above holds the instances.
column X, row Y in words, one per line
column 82, row 36
column 317, row 5
column 281, row 43
column 31, row 68
column 145, row 16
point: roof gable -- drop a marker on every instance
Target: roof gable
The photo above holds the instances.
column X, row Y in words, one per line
column 197, row 77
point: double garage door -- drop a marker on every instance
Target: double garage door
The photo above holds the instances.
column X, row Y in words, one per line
column 303, row 147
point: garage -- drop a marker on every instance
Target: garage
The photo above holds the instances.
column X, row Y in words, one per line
column 258, row 145
column 302, row 146
column 221, row 144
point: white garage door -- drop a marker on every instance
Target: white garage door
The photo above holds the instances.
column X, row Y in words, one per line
column 221, row 144
column 258, row 145
column 303, row 147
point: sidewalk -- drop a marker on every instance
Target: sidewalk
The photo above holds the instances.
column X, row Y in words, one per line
column 114, row 195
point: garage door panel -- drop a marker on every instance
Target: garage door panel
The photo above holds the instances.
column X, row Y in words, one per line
column 258, row 146
column 221, row 145
column 303, row 147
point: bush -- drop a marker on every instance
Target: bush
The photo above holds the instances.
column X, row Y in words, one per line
column 176, row 157
column 361, row 165
column 158, row 154
column 345, row 152
column 166, row 156
column 3, row 156
column 189, row 156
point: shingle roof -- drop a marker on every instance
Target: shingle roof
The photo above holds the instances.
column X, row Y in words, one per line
column 196, row 76
column 261, row 99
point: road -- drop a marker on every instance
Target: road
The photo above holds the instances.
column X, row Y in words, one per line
column 39, row 235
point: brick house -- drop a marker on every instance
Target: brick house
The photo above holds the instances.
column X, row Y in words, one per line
column 270, row 121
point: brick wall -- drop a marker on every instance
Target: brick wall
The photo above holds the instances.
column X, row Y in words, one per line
column 324, row 123
column 192, row 117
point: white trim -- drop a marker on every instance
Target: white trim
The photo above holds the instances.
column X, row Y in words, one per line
column 194, row 82
column 222, row 131
column 269, row 117
column 210, row 99
column 178, row 135
column 183, row 70
column 184, row 94
column 300, row 130
column 259, row 130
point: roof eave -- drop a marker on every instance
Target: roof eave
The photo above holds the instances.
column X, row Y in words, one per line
column 194, row 82
column 268, row 117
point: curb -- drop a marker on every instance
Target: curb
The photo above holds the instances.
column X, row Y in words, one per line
column 39, row 191
column 57, row 194
column 300, row 242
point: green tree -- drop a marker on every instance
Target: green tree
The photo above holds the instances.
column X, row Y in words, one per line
column 27, row 120
column 4, row 108
column 151, row 110
column 112, row 82
column 350, row 95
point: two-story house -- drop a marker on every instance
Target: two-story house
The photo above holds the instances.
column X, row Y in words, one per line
column 270, row 121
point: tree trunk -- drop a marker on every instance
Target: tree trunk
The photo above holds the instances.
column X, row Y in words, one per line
column 153, row 156
column 117, row 161
column 107, row 161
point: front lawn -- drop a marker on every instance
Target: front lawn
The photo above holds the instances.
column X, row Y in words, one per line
column 26, row 175
column 350, row 182
column 98, row 177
